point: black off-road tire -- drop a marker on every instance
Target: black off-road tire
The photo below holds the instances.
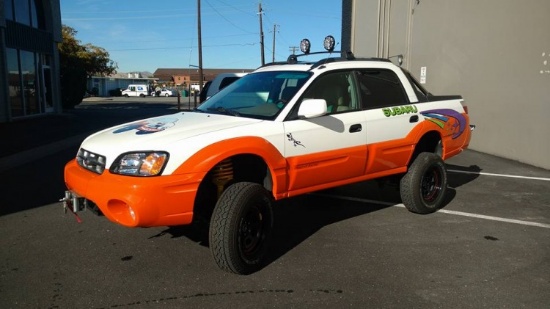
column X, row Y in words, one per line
column 423, row 186
column 240, row 228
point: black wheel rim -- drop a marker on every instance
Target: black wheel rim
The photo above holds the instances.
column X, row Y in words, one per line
column 252, row 232
column 431, row 184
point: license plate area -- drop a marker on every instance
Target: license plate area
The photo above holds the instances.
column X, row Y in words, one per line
column 75, row 203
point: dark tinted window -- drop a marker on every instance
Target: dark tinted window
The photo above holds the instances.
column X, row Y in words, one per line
column 22, row 12
column 227, row 81
column 380, row 88
column 8, row 9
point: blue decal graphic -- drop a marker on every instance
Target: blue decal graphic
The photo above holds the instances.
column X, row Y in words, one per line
column 442, row 116
column 148, row 126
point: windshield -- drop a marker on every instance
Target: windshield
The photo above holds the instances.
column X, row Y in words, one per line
column 260, row 95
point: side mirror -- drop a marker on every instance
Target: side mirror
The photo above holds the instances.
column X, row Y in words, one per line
column 311, row 108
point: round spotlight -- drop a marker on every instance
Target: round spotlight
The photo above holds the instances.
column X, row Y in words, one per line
column 305, row 46
column 329, row 43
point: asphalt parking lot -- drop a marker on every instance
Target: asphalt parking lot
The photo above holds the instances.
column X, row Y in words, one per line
column 352, row 246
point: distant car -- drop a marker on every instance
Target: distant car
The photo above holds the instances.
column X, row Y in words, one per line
column 162, row 93
column 135, row 91
column 218, row 83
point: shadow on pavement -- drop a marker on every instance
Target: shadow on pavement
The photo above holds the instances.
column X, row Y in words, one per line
column 298, row 218
column 461, row 175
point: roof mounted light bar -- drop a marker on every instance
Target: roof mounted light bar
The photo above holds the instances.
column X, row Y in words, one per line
column 329, row 43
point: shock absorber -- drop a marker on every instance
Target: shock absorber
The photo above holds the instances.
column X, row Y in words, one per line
column 222, row 174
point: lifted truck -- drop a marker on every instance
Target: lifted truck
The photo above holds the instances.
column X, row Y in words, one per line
column 283, row 130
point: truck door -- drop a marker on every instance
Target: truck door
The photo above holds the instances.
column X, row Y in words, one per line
column 328, row 149
column 391, row 119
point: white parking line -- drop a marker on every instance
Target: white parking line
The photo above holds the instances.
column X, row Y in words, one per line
column 499, row 175
column 450, row 212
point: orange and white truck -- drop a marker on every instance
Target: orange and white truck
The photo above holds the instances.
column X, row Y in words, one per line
column 284, row 130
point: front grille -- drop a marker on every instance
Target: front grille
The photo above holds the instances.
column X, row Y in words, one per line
column 91, row 161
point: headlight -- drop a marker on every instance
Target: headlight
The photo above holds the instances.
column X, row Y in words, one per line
column 140, row 163
column 91, row 161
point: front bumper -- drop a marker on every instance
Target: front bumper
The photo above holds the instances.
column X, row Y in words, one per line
column 133, row 201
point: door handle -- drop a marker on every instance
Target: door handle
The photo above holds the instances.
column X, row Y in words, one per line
column 355, row 128
column 414, row 118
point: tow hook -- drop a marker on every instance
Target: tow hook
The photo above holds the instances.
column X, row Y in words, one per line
column 74, row 204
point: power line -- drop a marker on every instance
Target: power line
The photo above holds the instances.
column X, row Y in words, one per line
column 242, row 29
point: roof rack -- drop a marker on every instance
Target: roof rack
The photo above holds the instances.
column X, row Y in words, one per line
column 348, row 55
column 328, row 44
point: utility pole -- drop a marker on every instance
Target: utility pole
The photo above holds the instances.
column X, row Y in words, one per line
column 274, row 30
column 260, row 11
column 293, row 49
column 201, row 77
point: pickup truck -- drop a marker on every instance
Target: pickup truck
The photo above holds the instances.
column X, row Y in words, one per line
column 284, row 130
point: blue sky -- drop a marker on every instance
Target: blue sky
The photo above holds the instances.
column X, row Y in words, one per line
column 145, row 35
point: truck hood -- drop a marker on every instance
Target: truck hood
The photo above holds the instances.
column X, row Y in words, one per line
column 158, row 132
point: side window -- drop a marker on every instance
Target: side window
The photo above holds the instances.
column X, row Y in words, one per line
column 337, row 89
column 380, row 88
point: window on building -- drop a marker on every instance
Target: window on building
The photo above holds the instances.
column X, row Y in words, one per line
column 14, row 83
column 23, row 83
column 30, row 82
column 37, row 14
column 8, row 9
column 22, row 12
column 27, row 12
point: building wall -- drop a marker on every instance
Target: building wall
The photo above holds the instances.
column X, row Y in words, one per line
column 495, row 53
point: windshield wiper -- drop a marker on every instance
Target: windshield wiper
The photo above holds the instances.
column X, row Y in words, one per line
column 224, row 110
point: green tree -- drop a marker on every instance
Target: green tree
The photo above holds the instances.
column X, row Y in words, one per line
column 77, row 63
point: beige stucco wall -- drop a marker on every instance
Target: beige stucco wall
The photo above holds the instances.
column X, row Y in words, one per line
column 495, row 53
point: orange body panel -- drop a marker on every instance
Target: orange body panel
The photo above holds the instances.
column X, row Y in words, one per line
column 455, row 146
column 154, row 201
column 325, row 167
column 205, row 159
